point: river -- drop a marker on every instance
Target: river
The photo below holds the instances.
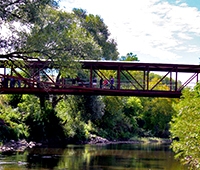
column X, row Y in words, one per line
column 94, row 157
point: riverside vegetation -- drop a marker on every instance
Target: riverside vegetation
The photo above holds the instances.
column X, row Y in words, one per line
column 46, row 32
column 128, row 122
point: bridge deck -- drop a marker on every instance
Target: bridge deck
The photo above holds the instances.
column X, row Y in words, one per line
column 91, row 91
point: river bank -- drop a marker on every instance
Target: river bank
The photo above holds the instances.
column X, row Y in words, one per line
column 99, row 140
column 21, row 145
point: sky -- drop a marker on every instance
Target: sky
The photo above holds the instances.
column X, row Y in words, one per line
column 158, row 31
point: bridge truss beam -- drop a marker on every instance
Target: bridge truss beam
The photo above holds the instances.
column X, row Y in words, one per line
column 126, row 83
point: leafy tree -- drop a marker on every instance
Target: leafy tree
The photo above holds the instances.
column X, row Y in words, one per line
column 185, row 128
column 11, row 124
column 78, row 116
column 132, row 108
column 165, row 83
column 23, row 11
column 58, row 36
column 15, row 18
column 99, row 30
column 129, row 57
column 42, row 125
column 14, row 99
column 53, row 35
column 157, row 114
column 115, row 125
column 62, row 40
column 46, row 127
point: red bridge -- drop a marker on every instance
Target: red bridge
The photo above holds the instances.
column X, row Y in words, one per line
column 130, row 79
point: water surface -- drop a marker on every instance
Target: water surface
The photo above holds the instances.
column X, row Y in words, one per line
column 94, row 157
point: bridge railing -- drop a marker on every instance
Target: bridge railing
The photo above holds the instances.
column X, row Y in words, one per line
column 7, row 81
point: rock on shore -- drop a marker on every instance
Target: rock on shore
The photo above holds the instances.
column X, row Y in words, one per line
column 17, row 146
column 97, row 140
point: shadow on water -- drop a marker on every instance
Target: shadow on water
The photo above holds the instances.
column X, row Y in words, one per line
column 96, row 157
column 44, row 157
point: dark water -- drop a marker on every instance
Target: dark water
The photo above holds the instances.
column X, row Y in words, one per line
column 87, row 157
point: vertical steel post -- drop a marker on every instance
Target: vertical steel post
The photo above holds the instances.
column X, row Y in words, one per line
column 170, row 83
column 144, row 79
column 148, row 78
column 176, row 81
column 118, row 77
column 91, row 76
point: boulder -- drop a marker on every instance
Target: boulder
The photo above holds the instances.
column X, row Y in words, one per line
column 16, row 146
column 97, row 140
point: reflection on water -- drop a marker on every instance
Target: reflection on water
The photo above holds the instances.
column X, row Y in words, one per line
column 92, row 157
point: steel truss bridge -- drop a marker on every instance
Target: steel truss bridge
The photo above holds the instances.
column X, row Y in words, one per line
column 130, row 79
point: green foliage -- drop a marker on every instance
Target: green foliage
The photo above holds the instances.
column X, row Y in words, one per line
column 24, row 11
column 14, row 99
column 132, row 109
column 91, row 107
column 185, row 128
column 45, row 126
column 76, row 117
column 129, row 57
column 84, row 115
column 11, row 124
column 18, row 16
column 157, row 114
column 80, row 114
column 165, row 83
column 98, row 29
column 29, row 105
column 132, row 106
column 115, row 125
column 62, row 39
